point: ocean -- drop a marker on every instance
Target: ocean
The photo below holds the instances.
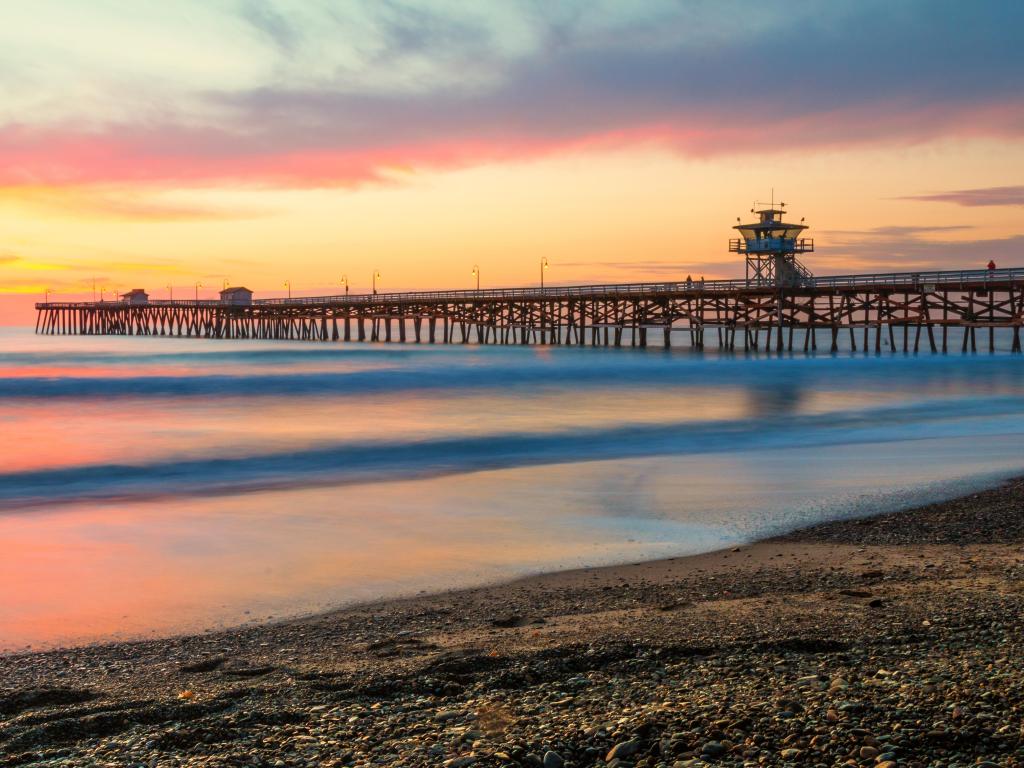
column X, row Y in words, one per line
column 151, row 486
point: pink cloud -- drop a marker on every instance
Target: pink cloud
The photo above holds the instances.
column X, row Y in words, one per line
column 132, row 155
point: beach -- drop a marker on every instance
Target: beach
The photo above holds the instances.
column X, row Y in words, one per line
column 892, row 640
column 511, row 384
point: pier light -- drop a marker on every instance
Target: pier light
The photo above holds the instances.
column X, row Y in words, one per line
column 198, row 286
column 46, row 296
column 543, row 265
column 170, row 292
column 476, row 274
column 344, row 281
column 226, row 283
column 376, row 277
column 288, row 285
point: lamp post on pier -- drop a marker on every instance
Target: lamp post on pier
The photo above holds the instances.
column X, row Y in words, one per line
column 198, row 286
column 476, row 274
column 46, row 296
column 344, row 281
column 376, row 277
column 288, row 285
column 170, row 292
column 543, row 265
column 225, row 284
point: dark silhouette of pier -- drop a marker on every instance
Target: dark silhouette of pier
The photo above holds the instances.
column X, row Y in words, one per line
column 779, row 305
column 899, row 310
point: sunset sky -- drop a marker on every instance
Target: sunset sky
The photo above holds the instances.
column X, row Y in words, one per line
column 148, row 144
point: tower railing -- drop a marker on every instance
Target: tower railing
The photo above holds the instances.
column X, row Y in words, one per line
column 772, row 245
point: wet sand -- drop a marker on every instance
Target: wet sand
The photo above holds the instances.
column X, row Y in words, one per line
column 896, row 639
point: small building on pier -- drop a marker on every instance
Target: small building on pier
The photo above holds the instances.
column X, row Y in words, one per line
column 236, row 296
column 135, row 296
column 771, row 247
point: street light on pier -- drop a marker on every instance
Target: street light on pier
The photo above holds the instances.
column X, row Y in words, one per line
column 46, row 296
column 170, row 292
column 376, row 277
column 288, row 285
column 476, row 274
column 543, row 265
column 198, row 286
column 344, row 281
column 225, row 285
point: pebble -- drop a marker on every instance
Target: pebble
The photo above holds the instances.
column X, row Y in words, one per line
column 713, row 749
column 623, row 749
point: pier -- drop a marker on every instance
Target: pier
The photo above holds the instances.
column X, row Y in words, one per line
column 780, row 305
column 902, row 310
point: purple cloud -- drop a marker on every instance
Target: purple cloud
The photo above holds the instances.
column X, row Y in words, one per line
column 841, row 74
column 904, row 248
column 975, row 197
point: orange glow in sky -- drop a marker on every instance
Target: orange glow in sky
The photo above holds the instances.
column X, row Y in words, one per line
column 620, row 143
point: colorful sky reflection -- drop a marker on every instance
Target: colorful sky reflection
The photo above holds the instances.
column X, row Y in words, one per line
column 259, row 141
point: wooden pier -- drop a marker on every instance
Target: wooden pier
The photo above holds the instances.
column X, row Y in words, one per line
column 912, row 311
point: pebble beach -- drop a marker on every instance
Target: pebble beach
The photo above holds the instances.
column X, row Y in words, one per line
column 888, row 641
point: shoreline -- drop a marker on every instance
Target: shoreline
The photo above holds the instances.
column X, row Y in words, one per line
column 927, row 496
column 828, row 601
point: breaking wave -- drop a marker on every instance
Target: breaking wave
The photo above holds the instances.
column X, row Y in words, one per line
column 356, row 462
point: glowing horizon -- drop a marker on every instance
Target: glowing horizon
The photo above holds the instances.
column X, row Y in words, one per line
column 269, row 141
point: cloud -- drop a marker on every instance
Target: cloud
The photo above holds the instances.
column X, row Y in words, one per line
column 845, row 74
column 273, row 26
column 975, row 197
column 896, row 231
column 62, row 273
column 140, row 209
column 674, row 268
column 901, row 249
column 120, row 203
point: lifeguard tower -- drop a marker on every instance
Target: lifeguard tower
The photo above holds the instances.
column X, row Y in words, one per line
column 771, row 247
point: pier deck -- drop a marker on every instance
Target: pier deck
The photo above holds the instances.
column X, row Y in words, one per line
column 905, row 310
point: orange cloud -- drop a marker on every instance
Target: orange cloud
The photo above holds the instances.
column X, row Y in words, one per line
column 118, row 203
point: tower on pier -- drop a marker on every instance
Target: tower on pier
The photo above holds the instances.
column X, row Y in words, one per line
column 771, row 247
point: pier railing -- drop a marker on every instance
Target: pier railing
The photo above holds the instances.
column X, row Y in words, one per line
column 881, row 279
column 919, row 280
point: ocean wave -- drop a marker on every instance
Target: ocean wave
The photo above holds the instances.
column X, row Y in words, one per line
column 506, row 373
column 292, row 353
column 339, row 463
